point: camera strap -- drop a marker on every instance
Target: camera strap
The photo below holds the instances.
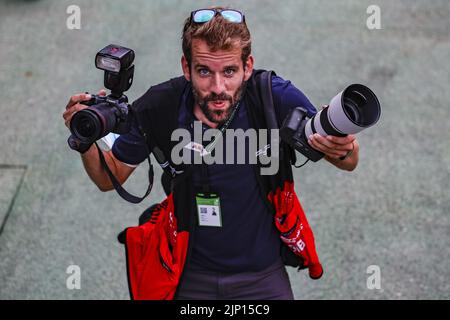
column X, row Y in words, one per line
column 120, row 190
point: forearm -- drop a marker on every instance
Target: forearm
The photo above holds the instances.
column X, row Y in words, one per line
column 95, row 170
column 350, row 163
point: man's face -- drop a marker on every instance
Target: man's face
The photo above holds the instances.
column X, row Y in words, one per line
column 217, row 78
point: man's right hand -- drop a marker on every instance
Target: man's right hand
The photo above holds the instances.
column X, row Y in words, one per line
column 74, row 105
column 91, row 160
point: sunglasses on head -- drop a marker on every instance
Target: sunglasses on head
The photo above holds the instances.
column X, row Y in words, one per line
column 205, row 15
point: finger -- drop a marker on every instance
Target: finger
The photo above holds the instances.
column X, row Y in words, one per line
column 68, row 114
column 323, row 141
column 342, row 140
column 334, row 155
column 78, row 107
column 74, row 108
column 329, row 144
column 324, row 149
column 102, row 92
column 78, row 98
column 65, row 114
column 69, row 111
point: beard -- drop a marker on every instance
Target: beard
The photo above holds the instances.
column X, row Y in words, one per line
column 218, row 116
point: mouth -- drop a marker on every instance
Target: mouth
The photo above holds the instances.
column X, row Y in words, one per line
column 218, row 104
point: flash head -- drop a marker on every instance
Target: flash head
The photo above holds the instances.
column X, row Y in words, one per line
column 114, row 58
column 117, row 62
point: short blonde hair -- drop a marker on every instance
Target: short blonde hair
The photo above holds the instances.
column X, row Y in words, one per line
column 219, row 34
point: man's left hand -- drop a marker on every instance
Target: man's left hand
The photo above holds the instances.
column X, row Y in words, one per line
column 340, row 151
column 331, row 146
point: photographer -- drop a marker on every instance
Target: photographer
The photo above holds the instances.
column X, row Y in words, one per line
column 241, row 257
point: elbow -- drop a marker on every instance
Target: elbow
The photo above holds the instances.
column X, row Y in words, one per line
column 105, row 188
column 108, row 186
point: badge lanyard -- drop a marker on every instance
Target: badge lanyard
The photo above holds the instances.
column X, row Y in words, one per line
column 222, row 129
column 212, row 144
column 208, row 202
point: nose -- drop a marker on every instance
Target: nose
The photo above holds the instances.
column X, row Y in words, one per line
column 217, row 84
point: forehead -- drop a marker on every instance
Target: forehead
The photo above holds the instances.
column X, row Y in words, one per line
column 203, row 55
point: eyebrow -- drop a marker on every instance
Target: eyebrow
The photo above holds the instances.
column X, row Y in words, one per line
column 224, row 68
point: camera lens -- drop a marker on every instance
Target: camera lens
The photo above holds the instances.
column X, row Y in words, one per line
column 86, row 125
column 361, row 105
column 351, row 110
column 93, row 123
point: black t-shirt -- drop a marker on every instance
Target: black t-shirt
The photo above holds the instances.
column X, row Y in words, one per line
column 248, row 239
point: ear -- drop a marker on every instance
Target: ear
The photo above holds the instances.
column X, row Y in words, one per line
column 248, row 70
column 185, row 67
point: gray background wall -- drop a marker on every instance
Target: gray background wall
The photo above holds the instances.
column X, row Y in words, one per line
column 392, row 211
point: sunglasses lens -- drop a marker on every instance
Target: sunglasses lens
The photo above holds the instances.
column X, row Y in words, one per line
column 232, row 16
column 202, row 16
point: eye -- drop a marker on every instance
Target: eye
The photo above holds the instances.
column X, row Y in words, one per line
column 229, row 72
column 203, row 71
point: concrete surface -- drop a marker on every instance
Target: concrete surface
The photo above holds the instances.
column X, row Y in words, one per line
column 393, row 211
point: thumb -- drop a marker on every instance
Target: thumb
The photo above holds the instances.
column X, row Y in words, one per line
column 102, row 92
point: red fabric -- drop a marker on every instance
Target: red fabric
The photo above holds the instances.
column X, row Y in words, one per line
column 156, row 251
column 156, row 254
column 295, row 231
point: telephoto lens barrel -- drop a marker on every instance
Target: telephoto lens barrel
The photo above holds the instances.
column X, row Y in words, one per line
column 351, row 111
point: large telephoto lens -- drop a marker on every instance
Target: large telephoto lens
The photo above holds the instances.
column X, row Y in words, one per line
column 351, row 111
column 93, row 123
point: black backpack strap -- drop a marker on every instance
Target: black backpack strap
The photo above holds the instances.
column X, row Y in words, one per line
column 263, row 81
column 265, row 85
column 272, row 121
column 265, row 90
column 264, row 116
column 157, row 115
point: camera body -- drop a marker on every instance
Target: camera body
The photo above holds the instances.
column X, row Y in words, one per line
column 293, row 133
column 106, row 114
column 351, row 111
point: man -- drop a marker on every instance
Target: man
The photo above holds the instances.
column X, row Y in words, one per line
column 239, row 258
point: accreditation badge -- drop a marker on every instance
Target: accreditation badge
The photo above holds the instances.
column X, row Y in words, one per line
column 208, row 209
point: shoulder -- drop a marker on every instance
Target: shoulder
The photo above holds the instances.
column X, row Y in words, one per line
column 287, row 96
column 161, row 94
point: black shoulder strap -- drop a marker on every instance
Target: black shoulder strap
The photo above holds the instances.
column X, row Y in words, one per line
column 265, row 85
column 157, row 114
